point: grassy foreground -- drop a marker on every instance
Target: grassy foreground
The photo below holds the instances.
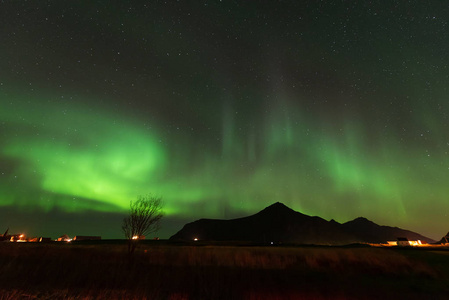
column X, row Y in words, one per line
column 103, row 271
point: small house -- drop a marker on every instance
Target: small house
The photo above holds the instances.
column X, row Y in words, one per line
column 64, row 238
column 403, row 242
column 18, row 238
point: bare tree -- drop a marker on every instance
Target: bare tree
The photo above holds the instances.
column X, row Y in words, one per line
column 144, row 216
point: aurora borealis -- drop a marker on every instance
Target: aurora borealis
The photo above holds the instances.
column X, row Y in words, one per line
column 336, row 109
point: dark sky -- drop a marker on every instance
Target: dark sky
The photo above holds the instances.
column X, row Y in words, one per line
column 335, row 108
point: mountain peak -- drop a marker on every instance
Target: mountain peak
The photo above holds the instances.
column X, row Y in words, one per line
column 361, row 220
column 278, row 205
column 277, row 208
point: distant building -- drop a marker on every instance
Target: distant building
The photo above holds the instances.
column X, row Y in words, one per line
column 18, row 238
column 416, row 243
column 402, row 241
column 64, row 238
column 38, row 239
column 86, row 238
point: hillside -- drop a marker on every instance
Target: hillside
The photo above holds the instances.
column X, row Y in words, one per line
column 278, row 223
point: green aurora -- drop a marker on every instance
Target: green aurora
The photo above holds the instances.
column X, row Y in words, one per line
column 356, row 129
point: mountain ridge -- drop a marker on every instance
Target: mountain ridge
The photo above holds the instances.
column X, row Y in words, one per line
column 279, row 223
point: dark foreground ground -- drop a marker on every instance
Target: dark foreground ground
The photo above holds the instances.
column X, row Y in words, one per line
column 166, row 271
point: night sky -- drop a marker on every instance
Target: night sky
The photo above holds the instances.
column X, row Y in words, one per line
column 335, row 108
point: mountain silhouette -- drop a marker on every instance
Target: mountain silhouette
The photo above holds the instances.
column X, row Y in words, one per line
column 278, row 223
column 368, row 231
column 445, row 239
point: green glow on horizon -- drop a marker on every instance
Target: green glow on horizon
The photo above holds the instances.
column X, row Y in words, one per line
column 92, row 161
column 82, row 153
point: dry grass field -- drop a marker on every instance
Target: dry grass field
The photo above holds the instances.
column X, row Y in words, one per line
column 164, row 271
